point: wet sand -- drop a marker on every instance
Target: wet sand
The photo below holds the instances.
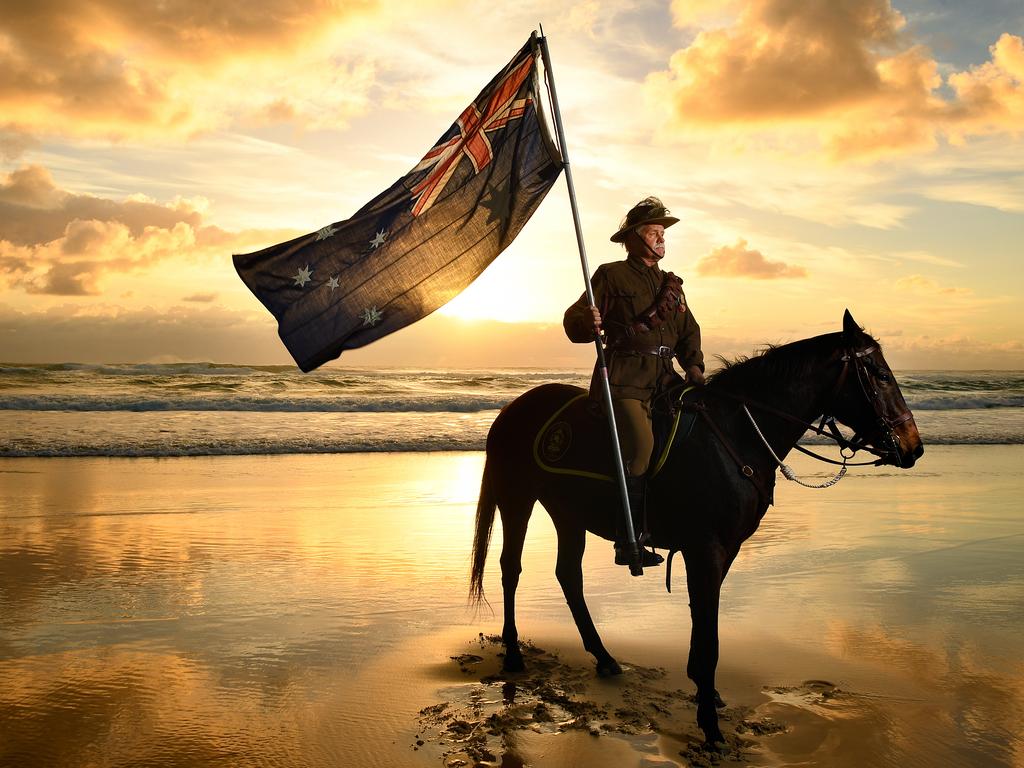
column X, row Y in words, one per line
column 310, row 610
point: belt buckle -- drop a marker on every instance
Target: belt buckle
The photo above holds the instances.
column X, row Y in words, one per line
column 664, row 351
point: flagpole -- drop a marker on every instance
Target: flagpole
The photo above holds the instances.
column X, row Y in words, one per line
column 635, row 563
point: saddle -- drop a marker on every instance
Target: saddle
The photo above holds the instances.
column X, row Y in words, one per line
column 570, row 442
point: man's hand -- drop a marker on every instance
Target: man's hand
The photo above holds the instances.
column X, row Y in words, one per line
column 597, row 319
column 695, row 376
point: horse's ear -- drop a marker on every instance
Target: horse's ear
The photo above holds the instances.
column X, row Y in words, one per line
column 850, row 328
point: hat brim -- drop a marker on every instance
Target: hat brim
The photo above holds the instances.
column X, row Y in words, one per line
column 665, row 221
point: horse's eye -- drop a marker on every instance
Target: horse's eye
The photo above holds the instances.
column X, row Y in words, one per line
column 882, row 376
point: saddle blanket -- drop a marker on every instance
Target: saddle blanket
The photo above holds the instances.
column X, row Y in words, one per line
column 575, row 440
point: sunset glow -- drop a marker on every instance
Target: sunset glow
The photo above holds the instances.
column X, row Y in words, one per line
column 820, row 155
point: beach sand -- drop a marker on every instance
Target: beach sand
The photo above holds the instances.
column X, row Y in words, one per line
column 310, row 610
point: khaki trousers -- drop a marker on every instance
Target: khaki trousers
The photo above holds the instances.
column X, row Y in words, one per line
column 636, row 434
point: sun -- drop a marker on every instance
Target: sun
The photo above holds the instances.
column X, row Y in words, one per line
column 504, row 297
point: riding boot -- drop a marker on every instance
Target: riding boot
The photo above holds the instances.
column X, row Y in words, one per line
column 636, row 488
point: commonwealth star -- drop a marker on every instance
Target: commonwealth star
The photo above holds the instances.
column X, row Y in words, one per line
column 302, row 276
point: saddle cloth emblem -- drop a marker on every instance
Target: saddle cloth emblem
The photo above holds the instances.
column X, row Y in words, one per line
column 556, row 441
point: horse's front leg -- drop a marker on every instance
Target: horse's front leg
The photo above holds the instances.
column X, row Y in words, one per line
column 569, row 571
column 706, row 566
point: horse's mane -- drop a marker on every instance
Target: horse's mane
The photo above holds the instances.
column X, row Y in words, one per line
column 776, row 364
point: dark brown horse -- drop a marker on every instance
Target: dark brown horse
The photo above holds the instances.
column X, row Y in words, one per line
column 712, row 490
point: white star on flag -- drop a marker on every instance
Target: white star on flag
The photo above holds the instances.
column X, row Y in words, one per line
column 301, row 277
column 372, row 316
column 378, row 239
column 326, row 232
column 332, row 282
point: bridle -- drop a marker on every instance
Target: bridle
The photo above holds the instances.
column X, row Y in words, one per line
column 867, row 373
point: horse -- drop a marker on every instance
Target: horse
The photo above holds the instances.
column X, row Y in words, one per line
column 712, row 489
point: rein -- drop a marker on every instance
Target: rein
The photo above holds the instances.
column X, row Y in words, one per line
column 826, row 426
column 787, row 471
column 833, row 433
column 861, row 364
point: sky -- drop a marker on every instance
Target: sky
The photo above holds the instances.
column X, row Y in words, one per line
column 821, row 155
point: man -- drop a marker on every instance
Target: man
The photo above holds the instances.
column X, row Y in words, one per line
column 643, row 314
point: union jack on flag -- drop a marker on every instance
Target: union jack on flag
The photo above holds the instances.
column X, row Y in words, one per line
column 471, row 139
column 423, row 240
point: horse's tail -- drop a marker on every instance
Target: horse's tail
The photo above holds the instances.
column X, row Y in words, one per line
column 485, row 509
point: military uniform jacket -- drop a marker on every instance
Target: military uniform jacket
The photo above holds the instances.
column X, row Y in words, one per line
column 623, row 290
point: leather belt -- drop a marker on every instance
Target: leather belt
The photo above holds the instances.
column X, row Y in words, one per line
column 640, row 349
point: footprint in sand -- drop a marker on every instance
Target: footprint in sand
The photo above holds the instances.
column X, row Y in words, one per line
column 480, row 724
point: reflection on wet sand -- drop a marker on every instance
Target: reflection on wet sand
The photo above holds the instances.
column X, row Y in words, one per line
column 303, row 610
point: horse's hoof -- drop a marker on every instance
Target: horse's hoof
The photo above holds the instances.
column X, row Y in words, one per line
column 715, row 743
column 608, row 668
column 707, row 721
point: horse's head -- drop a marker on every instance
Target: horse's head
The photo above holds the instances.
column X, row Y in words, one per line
column 869, row 401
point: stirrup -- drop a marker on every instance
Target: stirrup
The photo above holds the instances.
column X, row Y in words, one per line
column 648, row 557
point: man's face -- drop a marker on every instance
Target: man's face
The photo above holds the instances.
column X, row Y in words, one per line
column 654, row 236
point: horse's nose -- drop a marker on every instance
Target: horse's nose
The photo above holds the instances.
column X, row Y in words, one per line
column 907, row 460
column 906, row 436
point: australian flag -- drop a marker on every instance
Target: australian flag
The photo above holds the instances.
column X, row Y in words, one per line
column 419, row 243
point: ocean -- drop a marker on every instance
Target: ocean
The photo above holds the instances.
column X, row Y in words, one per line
column 209, row 409
column 241, row 607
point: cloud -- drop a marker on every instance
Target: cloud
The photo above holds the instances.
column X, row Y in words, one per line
column 73, row 264
column 201, row 298
column 929, row 258
column 740, row 261
column 33, row 210
column 926, row 286
column 842, row 71
column 953, row 351
column 14, row 142
column 72, row 332
column 29, row 187
column 117, row 68
column 59, row 243
column 990, row 97
column 783, row 59
column 1001, row 193
column 687, row 13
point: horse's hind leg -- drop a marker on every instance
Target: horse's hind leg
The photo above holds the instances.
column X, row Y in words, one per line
column 515, row 515
column 569, row 571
